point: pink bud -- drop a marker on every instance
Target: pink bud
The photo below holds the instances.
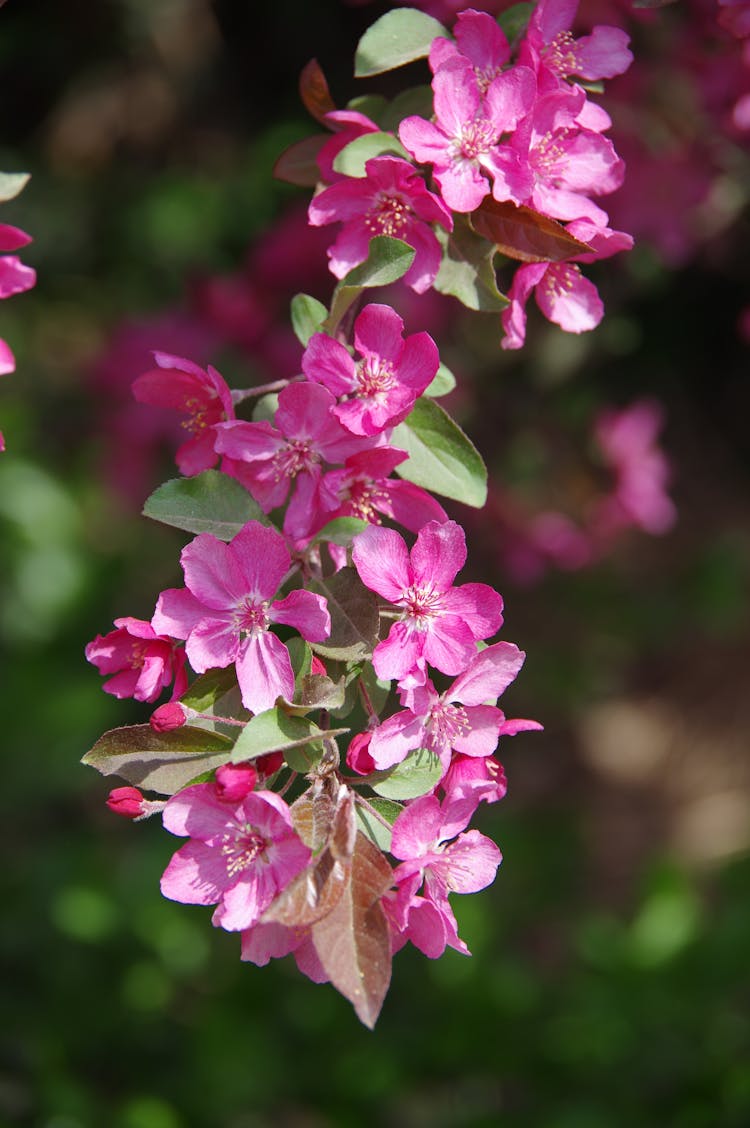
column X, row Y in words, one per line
column 235, row 781
column 167, row 717
column 317, row 666
column 269, row 764
column 357, row 756
column 126, row 801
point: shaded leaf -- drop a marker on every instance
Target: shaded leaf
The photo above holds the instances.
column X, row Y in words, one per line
column 273, row 731
column 355, row 618
column 340, row 531
column 417, row 775
column 443, row 382
column 524, row 234
column 416, row 100
column 12, row 184
column 351, row 160
column 397, row 38
column 514, row 20
column 210, row 502
column 441, row 457
column 372, row 827
column 467, row 271
column 266, row 407
column 216, row 693
column 387, row 260
column 308, row 315
column 164, row 762
column 298, row 164
column 371, row 105
column 320, row 692
column 314, row 92
column 353, row 940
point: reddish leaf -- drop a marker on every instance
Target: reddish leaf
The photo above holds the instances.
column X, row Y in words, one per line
column 524, row 234
column 353, row 941
column 313, row 89
column 299, row 163
column 317, row 890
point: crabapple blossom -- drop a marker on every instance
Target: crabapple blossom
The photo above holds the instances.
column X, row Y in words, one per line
column 142, row 661
column 240, row 854
column 227, row 606
column 390, row 199
column 551, row 49
column 439, row 623
column 478, row 39
column 380, row 389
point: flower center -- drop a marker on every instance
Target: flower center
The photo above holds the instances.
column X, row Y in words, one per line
column 560, row 279
column 549, row 157
column 201, row 414
column 388, row 215
column 560, row 54
column 138, row 653
column 447, row 722
column 296, row 456
column 375, row 376
column 362, row 498
column 475, row 138
column 251, row 616
column 421, row 605
column 241, row 849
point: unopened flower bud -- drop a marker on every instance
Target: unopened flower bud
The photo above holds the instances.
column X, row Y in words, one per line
column 358, row 757
column 269, row 764
column 168, row 717
column 317, row 666
column 235, row 781
column 126, row 801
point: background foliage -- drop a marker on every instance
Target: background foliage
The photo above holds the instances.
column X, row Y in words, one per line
column 609, row 982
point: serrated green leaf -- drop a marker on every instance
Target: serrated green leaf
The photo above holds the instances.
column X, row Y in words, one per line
column 417, row 775
column 12, row 184
column 340, row 531
column 164, row 762
column 397, row 38
column 467, row 271
column 442, row 458
column 308, row 315
column 210, row 502
column 443, row 382
column 373, row 827
column 351, row 160
column 355, row 618
column 387, row 260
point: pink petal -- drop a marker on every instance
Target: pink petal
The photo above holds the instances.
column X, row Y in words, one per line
column 438, row 555
column 212, row 643
column 15, row 276
column 264, row 671
column 7, row 360
column 378, row 331
column 262, row 557
column 177, row 613
column 327, row 362
column 382, row 561
column 472, row 860
column 479, row 606
column 397, row 655
column 305, row 611
column 569, row 300
column 399, row 735
column 489, row 674
column 197, row 812
column 196, row 875
column 212, row 573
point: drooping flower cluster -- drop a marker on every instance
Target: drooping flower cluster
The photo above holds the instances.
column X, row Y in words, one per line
column 345, row 703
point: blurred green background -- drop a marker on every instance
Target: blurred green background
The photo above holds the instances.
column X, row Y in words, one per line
column 609, row 983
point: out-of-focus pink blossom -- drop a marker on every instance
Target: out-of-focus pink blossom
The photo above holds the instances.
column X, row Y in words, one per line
column 628, row 443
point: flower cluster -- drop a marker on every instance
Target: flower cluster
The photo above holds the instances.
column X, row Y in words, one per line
column 344, row 707
column 15, row 276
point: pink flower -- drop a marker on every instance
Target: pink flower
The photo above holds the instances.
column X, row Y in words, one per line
column 15, row 277
column 460, row 719
column 364, row 489
column 227, row 606
column 390, row 199
column 462, row 142
column 439, row 623
column 201, row 394
column 380, row 389
column 306, row 435
column 550, row 45
column 478, row 40
column 143, row 661
column 627, row 440
column 483, row 778
column 239, row 857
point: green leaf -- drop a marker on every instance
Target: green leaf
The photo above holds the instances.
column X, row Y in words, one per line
column 265, row 410
column 514, row 20
column 443, row 382
column 216, row 693
column 210, row 502
column 12, row 184
column 273, row 731
column 442, row 458
column 351, row 160
column 397, row 38
column 308, row 315
column 317, row 691
column 372, row 827
column 164, row 762
column 298, row 164
column 387, row 260
column 417, row 775
column 340, row 531
column 371, row 105
column 355, row 618
column 416, row 100
column 467, row 271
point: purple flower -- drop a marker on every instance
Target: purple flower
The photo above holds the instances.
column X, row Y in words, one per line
column 390, row 199
column 438, row 623
column 227, row 607
column 239, row 857
column 380, row 389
